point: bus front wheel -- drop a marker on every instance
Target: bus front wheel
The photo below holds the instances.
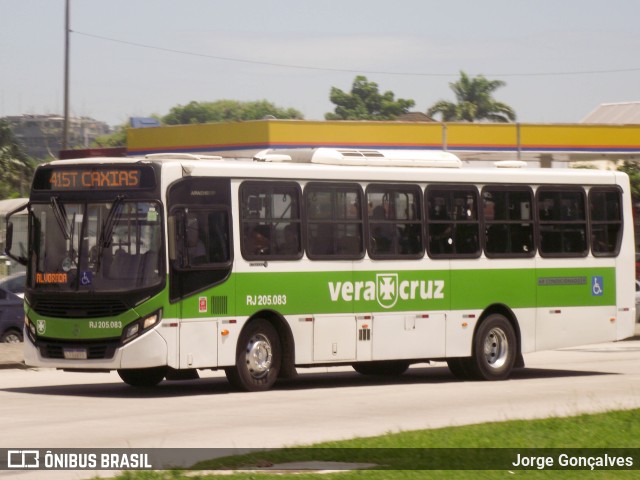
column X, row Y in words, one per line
column 494, row 349
column 258, row 358
column 142, row 377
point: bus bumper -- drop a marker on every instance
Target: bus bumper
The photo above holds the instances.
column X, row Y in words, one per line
column 149, row 350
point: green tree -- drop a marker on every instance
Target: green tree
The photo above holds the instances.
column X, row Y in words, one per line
column 474, row 102
column 226, row 111
column 365, row 102
column 632, row 169
column 116, row 139
column 16, row 168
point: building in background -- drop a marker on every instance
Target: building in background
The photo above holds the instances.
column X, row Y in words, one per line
column 41, row 135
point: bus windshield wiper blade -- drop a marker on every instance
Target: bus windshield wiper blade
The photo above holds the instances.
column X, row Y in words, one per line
column 108, row 226
column 59, row 213
column 110, row 222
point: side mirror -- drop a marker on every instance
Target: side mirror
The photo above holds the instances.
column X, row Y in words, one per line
column 9, row 237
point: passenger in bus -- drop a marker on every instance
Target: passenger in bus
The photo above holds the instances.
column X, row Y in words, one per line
column 196, row 251
column 410, row 234
column 382, row 233
column 440, row 232
column 258, row 240
column 291, row 244
column 546, row 210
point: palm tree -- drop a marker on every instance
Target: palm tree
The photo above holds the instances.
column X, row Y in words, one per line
column 475, row 102
column 16, row 168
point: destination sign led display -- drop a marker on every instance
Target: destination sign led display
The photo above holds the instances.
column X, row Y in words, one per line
column 106, row 178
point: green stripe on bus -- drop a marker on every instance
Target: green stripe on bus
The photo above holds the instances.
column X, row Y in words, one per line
column 291, row 293
column 415, row 290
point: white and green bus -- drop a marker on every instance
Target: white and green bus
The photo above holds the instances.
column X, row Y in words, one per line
column 162, row 266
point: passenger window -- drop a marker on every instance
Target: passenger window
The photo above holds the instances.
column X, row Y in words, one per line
column 334, row 221
column 395, row 221
column 508, row 222
column 452, row 221
column 200, row 243
column 206, row 238
column 562, row 220
column 605, row 209
column 270, row 221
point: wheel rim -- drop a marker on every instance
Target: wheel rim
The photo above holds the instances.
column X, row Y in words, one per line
column 12, row 338
column 259, row 356
column 496, row 348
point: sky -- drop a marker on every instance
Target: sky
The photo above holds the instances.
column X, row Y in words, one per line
column 560, row 59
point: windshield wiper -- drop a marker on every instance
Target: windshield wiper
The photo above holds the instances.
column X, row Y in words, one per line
column 108, row 226
column 59, row 213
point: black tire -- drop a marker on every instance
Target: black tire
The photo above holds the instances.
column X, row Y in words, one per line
column 11, row 336
column 143, row 377
column 390, row 368
column 459, row 367
column 494, row 349
column 258, row 358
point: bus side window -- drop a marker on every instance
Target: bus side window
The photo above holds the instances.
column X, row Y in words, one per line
column 453, row 228
column 508, row 222
column 334, row 221
column 394, row 221
column 606, row 221
column 200, row 238
column 270, row 220
column 562, row 222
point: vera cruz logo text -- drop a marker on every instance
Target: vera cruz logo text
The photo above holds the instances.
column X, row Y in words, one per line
column 387, row 290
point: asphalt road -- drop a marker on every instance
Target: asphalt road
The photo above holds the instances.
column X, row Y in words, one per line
column 52, row 409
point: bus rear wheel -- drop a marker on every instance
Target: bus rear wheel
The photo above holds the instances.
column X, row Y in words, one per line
column 494, row 350
column 258, row 358
column 387, row 368
column 459, row 367
column 143, row 377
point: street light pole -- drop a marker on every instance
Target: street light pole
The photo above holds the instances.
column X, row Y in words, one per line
column 65, row 126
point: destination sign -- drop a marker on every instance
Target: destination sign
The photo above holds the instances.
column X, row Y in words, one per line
column 106, row 178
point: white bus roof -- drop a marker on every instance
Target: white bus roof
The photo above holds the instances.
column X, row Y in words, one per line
column 364, row 165
column 353, row 157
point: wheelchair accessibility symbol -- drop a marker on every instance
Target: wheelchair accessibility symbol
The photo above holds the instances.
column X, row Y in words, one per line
column 86, row 278
column 597, row 288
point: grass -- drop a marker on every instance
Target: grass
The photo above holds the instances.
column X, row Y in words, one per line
column 395, row 454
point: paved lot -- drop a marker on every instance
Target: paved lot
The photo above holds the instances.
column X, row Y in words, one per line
column 98, row 410
column 11, row 355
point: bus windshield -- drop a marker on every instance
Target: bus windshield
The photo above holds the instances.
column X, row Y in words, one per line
column 107, row 246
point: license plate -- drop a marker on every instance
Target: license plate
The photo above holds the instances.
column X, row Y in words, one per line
column 75, row 353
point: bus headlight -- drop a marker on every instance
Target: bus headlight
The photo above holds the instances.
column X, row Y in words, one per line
column 140, row 326
column 31, row 328
column 151, row 320
column 131, row 330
